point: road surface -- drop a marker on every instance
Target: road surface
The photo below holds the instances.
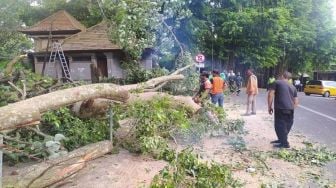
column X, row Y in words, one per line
column 315, row 117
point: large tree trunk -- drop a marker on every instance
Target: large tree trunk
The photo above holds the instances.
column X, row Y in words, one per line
column 29, row 110
column 99, row 107
column 182, row 100
column 92, row 107
column 50, row 172
column 23, row 112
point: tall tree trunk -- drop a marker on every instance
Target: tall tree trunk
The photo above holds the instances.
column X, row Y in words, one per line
column 232, row 60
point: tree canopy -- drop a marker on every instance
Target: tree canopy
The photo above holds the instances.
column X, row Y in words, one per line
column 292, row 34
column 298, row 35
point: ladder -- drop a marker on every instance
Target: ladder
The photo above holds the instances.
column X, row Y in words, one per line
column 57, row 51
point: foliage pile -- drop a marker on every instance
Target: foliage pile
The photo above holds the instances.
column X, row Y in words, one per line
column 161, row 119
column 309, row 155
column 78, row 132
column 33, row 84
column 156, row 122
column 24, row 145
column 186, row 170
column 32, row 143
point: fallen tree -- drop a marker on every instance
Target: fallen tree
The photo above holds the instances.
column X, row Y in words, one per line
column 51, row 172
column 182, row 100
column 24, row 112
column 99, row 107
column 29, row 111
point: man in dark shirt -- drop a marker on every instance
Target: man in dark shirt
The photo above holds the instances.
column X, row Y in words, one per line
column 285, row 100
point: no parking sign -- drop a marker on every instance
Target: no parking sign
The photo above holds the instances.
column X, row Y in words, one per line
column 200, row 58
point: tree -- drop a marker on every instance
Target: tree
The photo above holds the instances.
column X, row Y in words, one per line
column 289, row 34
column 12, row 42
column 136, row 25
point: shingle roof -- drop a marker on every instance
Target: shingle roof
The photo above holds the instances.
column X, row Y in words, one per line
column 60, row 21
column 94, row 38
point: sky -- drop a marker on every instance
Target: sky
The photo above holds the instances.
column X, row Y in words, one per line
column 334, row 8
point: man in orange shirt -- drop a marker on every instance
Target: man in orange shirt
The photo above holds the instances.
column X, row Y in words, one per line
column 251, row 91
column 217, row 90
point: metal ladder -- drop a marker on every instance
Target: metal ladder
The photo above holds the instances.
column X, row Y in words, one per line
column 58, row 51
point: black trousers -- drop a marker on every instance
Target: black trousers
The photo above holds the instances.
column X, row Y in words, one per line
column 283, row 122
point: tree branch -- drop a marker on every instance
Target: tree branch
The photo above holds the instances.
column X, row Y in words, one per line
column 24, row 90
column 174, row 36
column 39, row 132
column 15, row 140
column 178, row 71
column 10, row 65
column 15, row 87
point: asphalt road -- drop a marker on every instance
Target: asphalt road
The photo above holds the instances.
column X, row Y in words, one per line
column 315, row 117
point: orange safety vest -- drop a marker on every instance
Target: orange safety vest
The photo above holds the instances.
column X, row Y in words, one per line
column 217, row 85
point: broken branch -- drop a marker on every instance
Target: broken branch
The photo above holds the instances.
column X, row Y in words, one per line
column 53, row 171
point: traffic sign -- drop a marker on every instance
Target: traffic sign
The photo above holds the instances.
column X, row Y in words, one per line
column 200, row 65
column 199, row 58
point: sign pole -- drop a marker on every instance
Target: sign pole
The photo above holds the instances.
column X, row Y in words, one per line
column 199, row 58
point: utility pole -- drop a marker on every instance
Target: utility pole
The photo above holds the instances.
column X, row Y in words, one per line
column 212, row 41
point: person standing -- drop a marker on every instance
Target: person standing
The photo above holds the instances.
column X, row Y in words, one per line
column 270, row 81
column 204, row 89
column 217, row 90
column 297, row 84
column 285, row 99
column 251, row 91
column 223, row 76
column 232, row 81
column 239, row 83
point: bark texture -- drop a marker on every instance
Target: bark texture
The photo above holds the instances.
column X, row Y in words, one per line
column 50, row 172
column 99, row 107
column 29, row 110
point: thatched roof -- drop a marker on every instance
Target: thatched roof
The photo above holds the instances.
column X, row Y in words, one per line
column 60, row 22
column 94, row 38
